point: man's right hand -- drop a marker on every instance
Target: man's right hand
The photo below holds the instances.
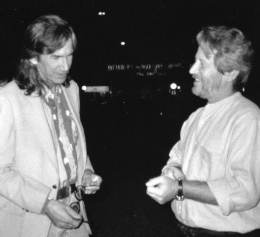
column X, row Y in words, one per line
column 162, row 189
column 62, row 215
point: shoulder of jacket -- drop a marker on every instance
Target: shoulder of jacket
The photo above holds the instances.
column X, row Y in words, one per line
column 10, row 88
column 73, row 84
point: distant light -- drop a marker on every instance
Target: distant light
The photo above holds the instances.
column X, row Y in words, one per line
column 101, row 13
column 84, row 88
column 173, row 86
column 122, row 43
column 96, row 89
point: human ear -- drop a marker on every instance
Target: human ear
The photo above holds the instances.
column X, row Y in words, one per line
column 230, row 76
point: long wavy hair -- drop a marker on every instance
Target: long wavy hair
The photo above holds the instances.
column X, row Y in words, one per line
column 233, row 51
column 44, row 35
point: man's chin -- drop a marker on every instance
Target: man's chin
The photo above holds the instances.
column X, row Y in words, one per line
column 60, row 80
column 195, row 91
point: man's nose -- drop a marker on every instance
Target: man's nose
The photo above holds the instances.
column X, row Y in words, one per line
column 65, row 64
column 193, row 68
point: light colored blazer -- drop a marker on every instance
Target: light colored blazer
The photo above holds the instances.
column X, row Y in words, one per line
column 30, row 169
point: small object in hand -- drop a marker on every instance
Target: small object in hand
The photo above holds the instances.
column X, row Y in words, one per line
column 75, row 206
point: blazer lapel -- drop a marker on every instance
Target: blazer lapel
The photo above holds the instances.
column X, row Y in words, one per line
column 43, row 122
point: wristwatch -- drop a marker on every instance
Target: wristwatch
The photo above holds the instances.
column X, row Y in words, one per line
column 179, row 196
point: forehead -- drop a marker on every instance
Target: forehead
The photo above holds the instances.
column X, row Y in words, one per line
column 66, row 50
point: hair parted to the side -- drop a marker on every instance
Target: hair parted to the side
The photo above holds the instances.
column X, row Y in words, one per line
column 44, row 35
column 232, row 51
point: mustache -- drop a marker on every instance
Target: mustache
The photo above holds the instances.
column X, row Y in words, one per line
column 195, row 77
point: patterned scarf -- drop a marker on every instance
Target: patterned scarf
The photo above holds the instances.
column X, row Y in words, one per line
column 66, row 129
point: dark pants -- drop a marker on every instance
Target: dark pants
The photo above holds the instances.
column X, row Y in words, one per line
column 199, row 232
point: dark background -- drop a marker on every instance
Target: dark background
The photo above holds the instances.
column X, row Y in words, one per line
column 130, row 130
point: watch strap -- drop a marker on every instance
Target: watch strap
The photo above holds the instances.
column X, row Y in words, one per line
column 180, row 196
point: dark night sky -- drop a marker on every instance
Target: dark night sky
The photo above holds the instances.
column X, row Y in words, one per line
column 156, row 31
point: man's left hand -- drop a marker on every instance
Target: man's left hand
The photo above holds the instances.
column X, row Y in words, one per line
column 162, row 189
column 91, row 182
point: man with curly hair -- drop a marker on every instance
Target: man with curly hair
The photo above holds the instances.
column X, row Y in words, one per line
column 212, row 177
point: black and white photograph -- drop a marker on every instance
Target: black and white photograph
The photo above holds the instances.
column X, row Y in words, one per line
column 130, row 118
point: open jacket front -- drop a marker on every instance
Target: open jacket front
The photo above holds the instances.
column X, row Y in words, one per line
column 30, row 166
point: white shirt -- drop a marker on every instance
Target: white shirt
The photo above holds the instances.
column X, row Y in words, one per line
column 220, row 144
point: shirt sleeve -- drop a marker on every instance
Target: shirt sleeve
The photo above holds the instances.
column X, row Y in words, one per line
column 239, row 190
column 176, row 152
column 21, row 190
column 174, row 157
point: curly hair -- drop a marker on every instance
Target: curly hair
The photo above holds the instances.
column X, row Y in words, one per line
column 44, row 35
column 231, row 49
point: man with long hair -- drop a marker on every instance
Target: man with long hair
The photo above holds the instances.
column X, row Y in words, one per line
column 44, row 166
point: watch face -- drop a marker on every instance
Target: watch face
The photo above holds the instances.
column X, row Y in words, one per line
column 179, row 198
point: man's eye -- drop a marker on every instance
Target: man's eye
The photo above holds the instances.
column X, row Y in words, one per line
column 202, row 64
column 55, row 57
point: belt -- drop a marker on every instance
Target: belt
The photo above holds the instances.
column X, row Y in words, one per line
column 66, row 191
column 188, row 231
